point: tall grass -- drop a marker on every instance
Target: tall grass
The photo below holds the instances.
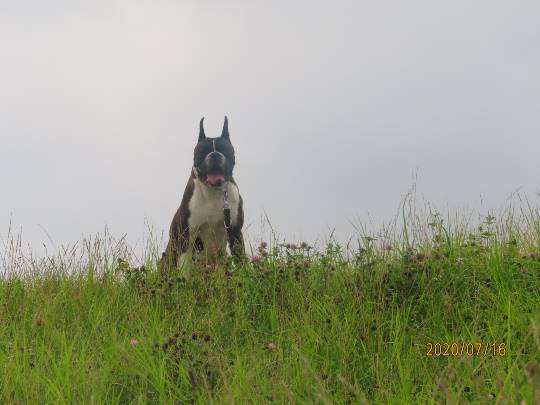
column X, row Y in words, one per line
column 335, row 323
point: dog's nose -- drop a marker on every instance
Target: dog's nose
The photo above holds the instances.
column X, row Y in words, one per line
column 215, row 155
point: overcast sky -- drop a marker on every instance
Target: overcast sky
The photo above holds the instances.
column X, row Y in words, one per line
column 333, row 107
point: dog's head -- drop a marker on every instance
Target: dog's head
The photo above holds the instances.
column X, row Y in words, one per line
column 214, row 157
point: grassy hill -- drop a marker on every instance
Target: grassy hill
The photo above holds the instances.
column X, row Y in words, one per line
column 439, row 313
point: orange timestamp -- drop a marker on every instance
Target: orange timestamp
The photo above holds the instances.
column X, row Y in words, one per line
column 446, row 349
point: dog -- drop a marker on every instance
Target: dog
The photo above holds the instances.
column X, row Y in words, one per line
column 211, row 212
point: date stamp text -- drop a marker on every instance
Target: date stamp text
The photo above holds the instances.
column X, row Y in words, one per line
column 454, row 349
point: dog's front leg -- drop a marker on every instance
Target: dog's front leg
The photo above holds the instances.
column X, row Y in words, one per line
column 236, row 240
column 236, row 243
column 177, row 246
column 237, row 247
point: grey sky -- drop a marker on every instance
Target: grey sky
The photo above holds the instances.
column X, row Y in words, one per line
column 332, row 105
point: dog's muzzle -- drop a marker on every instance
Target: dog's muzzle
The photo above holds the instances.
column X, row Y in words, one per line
column 215, row 168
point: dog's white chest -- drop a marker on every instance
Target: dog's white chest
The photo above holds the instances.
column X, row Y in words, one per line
column 206, row 219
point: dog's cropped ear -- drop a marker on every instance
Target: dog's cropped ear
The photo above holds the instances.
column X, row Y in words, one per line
column 201, row 130
column 225, row 132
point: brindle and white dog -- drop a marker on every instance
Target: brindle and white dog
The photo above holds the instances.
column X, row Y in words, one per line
column 211, row 212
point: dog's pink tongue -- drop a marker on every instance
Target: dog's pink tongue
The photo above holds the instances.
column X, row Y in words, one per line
column 214, row 179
